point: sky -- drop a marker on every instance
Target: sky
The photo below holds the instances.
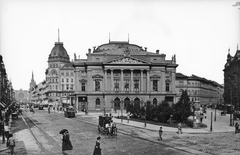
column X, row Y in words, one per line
column 198, row 32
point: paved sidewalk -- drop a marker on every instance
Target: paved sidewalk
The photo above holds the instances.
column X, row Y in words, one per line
column 216, row 126
column 221, row 124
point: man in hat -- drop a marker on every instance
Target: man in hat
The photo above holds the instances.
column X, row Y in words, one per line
column 11, row 143
column 160, row 133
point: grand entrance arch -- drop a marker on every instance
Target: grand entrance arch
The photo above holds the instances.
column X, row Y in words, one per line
column 137, row 102
column 117, row 103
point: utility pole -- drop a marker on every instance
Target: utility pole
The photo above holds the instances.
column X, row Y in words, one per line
column 211, row 123
column 215, row 114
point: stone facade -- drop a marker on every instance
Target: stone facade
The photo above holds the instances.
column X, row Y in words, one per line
column 231, row 80
column 199, row 89
column 59, row 75
column 22, row 95
column 117, row 74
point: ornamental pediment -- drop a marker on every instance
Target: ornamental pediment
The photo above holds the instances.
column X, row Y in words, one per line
column 97, row 76
column 126, row 60
column 155, row 76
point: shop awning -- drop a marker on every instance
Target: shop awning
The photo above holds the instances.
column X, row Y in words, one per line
column 2, row 104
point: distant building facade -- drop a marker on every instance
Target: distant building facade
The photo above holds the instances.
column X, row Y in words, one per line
column 59, row 75
column 117, row 74
column 22, row 95
column 199, row 89
column 38, row 93
column 232, row 80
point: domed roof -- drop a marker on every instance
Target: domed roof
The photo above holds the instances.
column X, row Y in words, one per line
column 59, row 51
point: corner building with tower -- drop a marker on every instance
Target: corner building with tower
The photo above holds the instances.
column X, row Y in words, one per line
column 118, row 73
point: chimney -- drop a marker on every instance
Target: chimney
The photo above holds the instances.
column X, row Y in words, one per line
column 89, row 50
column 78, row 56
column 157, row 51
column 145, row 48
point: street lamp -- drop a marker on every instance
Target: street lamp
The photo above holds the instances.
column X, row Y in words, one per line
column 211, row 123
column 145, row 108
column 215, row 114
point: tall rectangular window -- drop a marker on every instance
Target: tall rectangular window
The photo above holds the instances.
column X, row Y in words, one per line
column 126, row 84
column 155, row 85
column 136, row 85
column 167, row 86
column 62, row 86
column 67, row 86
column 116, row 85
column 97, row 85
column 83, row 86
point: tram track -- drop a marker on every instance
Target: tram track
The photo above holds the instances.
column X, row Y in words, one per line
column 32, row 127
column 94, row 122
column 137, row 136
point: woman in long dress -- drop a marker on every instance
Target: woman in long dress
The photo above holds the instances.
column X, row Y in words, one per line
column 66, row 143
column 97, row 149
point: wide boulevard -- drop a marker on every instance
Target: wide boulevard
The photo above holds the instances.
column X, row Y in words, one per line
column 38, row 134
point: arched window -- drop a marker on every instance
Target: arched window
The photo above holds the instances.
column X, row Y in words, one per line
column 155, row 102
column 83, row 86
column 117, row 103
column 126, row 103
column 97, row 102
column 136, row 102
column 167, row 86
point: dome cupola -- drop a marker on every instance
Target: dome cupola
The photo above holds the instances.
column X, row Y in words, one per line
column 59, row 53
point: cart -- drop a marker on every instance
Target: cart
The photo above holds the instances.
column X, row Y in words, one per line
column 14, row 115
column 102, row 121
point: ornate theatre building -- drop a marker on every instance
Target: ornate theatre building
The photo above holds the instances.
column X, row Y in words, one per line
column 117, row 74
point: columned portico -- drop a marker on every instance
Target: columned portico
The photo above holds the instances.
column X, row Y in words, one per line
column 127, row 80
column 122, row 82
column 131, row 80
column 141, row 87
column 112, row 82
column 124, row 73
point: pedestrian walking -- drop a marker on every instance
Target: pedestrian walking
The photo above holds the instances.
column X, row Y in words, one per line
column 236, row 127
column 6, row 131
column 128, row 116
column 48, row 109
column 11, row 143
column 179, row 128
column 97, row 149
column 66, row 143
column 160, row 132
column 201, row 117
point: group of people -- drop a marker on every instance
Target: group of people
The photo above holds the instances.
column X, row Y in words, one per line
column 67, row 146
column 160, row 131
column 111, row 128
column 5, row 128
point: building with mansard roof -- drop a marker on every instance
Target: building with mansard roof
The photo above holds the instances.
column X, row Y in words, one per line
column 232, row 80
column 118, row 73
column 59, row 75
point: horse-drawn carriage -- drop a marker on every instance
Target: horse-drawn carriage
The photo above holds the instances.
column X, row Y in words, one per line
column 106, row 126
